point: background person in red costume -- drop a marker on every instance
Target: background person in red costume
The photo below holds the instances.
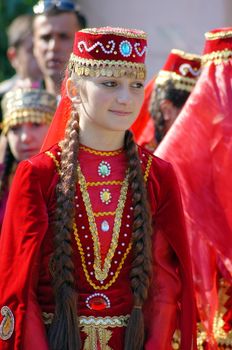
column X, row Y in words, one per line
column 199, row 144
column 165, row 96
column 27, row 113
column 96, row 256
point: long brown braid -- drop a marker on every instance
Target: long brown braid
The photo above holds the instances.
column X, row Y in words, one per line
column 64, row 333
column 140, row 274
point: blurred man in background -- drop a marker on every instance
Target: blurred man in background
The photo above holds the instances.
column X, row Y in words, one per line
column 54, row 26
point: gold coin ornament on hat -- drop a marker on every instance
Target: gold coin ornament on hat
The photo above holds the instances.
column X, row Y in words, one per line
column 27, row 105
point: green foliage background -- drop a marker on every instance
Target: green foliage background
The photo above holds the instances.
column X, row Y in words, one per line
column 9, row 9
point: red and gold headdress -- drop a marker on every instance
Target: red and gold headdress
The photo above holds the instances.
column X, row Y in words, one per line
column 23, row 105
column 106, row 51
column 218, row 46
column 182, row 68
column 109, row 52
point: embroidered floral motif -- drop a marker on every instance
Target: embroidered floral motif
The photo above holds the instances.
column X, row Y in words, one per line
column 7, row 323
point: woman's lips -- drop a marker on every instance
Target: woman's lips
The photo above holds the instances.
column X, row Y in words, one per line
column 120, row 113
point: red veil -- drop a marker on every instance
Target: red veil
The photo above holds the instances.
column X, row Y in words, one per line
column 199, row 145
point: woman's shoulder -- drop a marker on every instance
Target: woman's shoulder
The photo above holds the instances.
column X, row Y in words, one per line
column 42, row 168
column 46, row 161
column 154, row 164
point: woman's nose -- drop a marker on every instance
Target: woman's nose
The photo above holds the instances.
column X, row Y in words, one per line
column 124, row 96
column 25, row 134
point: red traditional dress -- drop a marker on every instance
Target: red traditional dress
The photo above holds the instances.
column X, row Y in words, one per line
column 102, row 253
column 199, row 145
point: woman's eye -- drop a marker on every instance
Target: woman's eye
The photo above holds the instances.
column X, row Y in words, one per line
column 36, row 125
column 138, row 85
column 15, row 128
column 110, row 83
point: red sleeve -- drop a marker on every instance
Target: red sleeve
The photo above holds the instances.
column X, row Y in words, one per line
column 24, row 227
column 171, row 290
column 161, row 315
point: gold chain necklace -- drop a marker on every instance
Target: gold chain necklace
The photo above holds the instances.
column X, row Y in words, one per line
column 101, row 273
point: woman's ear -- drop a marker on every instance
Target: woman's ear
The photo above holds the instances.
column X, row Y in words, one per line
column 72, row 89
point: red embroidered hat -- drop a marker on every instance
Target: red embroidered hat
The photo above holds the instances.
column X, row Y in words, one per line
column 218, row 46
column 182, row 68
column 109, row 52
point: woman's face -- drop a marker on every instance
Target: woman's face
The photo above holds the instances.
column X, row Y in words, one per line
column 25, row 140
column 109, row 104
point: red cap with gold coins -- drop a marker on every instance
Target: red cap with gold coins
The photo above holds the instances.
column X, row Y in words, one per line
column 109, row 52
column 182, row 68
column 218, row 46
column 106, row 51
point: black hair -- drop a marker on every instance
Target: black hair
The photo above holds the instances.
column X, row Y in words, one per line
column 168, row 91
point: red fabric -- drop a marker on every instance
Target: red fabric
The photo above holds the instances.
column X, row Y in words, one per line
column 103, row 46
column 199, row 145
column 143, row 127
column 26, row 245
column 220, row 43
column 57, row 127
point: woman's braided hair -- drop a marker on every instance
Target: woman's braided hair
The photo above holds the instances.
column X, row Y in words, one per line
column 140, row 274
column 64, row 333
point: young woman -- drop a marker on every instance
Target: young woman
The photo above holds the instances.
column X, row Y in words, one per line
column 27, row 114
column 96, row 256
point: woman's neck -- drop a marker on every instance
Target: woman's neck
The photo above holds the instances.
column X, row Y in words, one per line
column 102, row 140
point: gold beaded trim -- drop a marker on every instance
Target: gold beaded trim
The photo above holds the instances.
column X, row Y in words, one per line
column 51, row 155
column 134, row 33
column 217, row 57
column 106, row 68
column 104, row 213
column 102, row 273
column 115, row 321
column 180, row 82
column 189, row 56
column 84, row 266
column 25, row 116
column 147, row 168
column 218, row 35
column 79, row 245
column 105, row 183
column 101, row 153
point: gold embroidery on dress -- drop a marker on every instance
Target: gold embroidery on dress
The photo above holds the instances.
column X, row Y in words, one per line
column 7, row 323
column 147, row 168
column 101, row 273
column 222, row 338
column 101, row 153
column 96, row 329
column 84, row 266
column 51, row 155
column 96, row 336
column 106, row 183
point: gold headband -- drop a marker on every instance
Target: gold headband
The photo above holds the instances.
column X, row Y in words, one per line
column 25, row 105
